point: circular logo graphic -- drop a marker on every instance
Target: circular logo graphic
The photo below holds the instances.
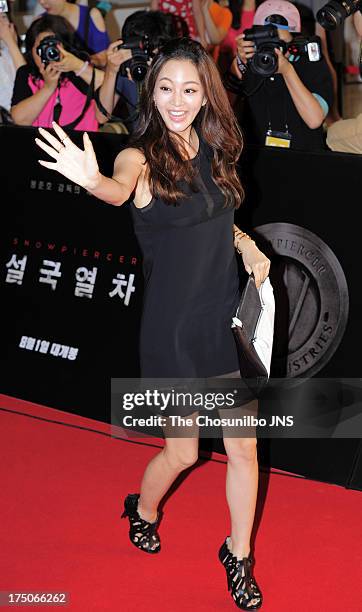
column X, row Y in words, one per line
column 311, row 297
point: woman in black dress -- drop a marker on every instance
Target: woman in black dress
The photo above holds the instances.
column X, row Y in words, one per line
column 181, row 170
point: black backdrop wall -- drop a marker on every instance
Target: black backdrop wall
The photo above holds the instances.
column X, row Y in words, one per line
column 48, row 219
column 320, row 193
column 71, row 284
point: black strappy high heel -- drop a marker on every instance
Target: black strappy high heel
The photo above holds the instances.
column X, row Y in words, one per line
column 244, row 589
column 141, row 533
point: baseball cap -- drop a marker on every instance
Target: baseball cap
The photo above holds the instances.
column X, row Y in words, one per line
column 269, row 12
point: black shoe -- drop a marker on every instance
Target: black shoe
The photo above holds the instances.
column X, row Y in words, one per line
column 141, row 533
column 244, row 589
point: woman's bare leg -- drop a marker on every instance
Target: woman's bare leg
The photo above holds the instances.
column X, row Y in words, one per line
column 177, row 455
column 241, row 483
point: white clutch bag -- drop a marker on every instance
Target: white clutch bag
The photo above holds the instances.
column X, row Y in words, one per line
column 253, row 328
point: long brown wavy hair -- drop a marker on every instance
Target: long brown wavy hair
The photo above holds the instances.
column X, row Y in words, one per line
column 216, row 122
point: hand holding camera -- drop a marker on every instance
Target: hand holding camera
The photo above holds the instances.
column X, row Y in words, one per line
column 50, row 74
column 116, row 56
column 246, row 48
column 246, row 51
column 142, row 52
column 68, row 62
column 265, row 53
column 55, row 59
column 284, row 64
column 263, row 60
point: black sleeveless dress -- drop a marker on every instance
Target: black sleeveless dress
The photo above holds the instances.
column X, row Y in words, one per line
column 191, row 281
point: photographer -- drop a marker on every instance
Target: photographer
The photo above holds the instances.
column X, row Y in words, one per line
column 288, row 108
column 10, row 60
column 56, row 84
column 89, row 26
column 146, row 32
column 116, row 86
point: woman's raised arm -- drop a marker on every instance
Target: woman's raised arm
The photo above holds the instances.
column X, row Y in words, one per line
column 81, row 167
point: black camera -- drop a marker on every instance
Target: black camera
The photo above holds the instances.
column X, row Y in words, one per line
column 335, row 12
column 142, row 51
column 265, row 38
column 48, row 50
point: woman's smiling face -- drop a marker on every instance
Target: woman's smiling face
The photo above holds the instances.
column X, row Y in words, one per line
column 178, row 94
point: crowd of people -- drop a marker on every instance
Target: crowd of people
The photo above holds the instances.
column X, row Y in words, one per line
column 70, row 72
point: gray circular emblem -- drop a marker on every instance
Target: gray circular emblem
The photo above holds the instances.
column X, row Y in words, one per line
column 311, row 297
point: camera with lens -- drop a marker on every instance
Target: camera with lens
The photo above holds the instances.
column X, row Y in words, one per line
column 48, row 50
column 142, row 51
column 335, row 12
column 265, row 38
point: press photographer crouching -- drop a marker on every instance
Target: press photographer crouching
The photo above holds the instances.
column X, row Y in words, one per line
column 285, row 82
column 58, row 82
column 128, row 59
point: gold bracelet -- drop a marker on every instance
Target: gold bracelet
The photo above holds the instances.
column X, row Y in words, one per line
column 243, row 235
column 239, row 232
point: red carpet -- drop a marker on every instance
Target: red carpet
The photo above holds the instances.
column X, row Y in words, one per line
column 62, row 489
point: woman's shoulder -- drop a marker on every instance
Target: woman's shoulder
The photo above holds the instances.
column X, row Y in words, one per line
column 133, row 155
column 22, row 89
column 97, row 19
column 22, row 75
column 23, row 71
column 129, row 166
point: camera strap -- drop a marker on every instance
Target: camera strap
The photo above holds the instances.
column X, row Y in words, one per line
column 133, row 116
column 58, row 107
column 90, row 96
column 86, row 27
column 275, row 138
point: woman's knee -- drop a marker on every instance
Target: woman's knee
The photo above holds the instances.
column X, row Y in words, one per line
column 241, row 449
column 181, row 456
